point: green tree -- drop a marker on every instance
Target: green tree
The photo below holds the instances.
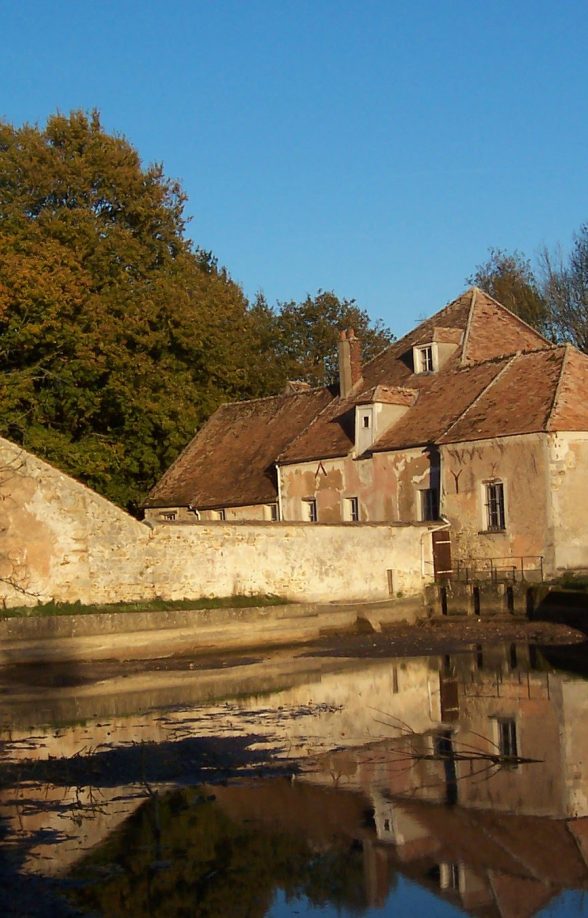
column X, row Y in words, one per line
column 509, row 278
column 116, row 338
column 565, row 286
column 304, row 335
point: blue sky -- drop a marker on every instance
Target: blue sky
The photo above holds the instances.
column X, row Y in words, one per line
column 374, row 148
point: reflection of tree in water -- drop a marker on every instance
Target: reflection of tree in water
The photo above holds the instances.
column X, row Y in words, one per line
column 182, row 854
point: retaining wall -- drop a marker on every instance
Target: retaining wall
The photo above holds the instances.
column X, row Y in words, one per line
column 152, row 635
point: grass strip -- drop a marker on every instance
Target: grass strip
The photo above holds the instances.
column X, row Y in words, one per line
column 48, row 609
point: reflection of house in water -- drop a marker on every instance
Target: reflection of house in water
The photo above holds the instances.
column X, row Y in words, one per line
column 482, row 776
column 463, row 810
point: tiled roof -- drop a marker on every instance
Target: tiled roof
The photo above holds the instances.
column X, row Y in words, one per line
column 230, row 461
column 442, row 399
column 503, row 378
column 330, row 434
column 570, row 408
column 519, row 400
column 494, row 331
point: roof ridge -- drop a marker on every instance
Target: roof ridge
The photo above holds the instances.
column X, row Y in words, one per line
column 266, row 398
column 556, row 394
column 509, row 360
column 466, row 334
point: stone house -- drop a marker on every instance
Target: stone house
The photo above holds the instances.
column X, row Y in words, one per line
column 472, row 421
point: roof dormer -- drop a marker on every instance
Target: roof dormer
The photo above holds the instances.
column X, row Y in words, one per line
column 429, row 356
column 378, row 409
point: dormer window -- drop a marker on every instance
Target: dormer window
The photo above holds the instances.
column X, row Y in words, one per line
column 365, row 421
column 423, row 359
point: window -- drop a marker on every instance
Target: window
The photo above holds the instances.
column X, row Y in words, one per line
column 495, row 518
column 507, row 737
column 219, row 515
column 169, row 516
column 351, row 509
column 429, row 504
column 424, row 361
column 310, row 510
column 274, row 513
column 449, row 876
column 365, row 420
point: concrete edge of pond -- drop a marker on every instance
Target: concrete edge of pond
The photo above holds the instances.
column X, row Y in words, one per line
column 151, row 635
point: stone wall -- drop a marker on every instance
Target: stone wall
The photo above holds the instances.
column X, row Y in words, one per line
column 61, row 541
column 568, row 481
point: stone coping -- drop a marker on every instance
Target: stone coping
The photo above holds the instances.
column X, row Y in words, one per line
column 149, row 635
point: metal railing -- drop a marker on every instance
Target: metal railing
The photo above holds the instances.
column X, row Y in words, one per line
column 497, row 570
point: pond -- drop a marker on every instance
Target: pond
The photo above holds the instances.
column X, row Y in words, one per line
column 298, row 783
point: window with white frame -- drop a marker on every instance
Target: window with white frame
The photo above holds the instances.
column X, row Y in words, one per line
column 309, row 508
column 494, row 506
column 168, row 515
column 429, row 504
column 423, row 359
column 219, row 515
column 351, row 509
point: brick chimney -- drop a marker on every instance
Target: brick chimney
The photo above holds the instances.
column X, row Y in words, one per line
column 349, row 362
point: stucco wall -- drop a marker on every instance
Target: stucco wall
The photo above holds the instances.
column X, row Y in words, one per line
column 61, row 541
column 386, row 486
column 521, row 463
column 568, row 481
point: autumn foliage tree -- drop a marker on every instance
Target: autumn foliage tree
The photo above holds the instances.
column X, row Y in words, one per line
column 115, row 336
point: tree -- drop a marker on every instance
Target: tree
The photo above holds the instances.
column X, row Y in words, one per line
column 565, row 286
column 117, row 337
column 303, row 336
column 114, row 340
column 509, row 278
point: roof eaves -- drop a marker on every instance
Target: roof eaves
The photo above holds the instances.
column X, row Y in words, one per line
column 318, row 457
column 418, row 444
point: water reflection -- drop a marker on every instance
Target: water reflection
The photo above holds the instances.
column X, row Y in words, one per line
column 463, row 777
